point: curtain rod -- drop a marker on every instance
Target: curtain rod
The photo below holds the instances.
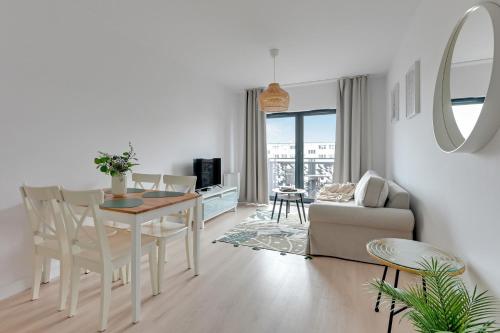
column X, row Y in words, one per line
column 307, row 83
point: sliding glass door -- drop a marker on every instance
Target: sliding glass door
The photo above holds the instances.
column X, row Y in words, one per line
column 301, row 150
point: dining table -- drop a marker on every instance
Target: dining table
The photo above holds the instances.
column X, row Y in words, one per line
column 152, row 208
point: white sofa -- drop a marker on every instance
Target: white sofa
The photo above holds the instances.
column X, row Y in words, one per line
column 343, row 229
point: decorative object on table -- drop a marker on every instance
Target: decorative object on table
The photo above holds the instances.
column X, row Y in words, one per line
column 287, row 188
column 338, row 192
column 413, row 90
column 395, row 103
column 443, row 303
column 260, row 232
column 408, row 255
column 274, row 99
column 122, row 203
column 289, row 194
column 117, row 166
column 162, row 194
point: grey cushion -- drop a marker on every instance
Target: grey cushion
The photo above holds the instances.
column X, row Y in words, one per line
column 371, row 190
column 398, row 197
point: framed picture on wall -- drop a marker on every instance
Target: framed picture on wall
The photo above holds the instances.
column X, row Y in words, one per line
column 412, row 85
column 395, row 103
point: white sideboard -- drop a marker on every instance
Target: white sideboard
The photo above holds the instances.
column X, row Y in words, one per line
column 219, row 200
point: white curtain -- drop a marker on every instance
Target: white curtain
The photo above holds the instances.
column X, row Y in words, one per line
column 352, row 143
column 254, row 182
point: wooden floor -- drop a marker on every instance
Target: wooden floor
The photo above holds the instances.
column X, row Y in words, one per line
column 238, row 290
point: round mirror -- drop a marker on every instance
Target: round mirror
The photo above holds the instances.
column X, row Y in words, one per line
column 465, row 118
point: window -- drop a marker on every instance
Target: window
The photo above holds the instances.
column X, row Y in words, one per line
column 295, row 138
column 466, row 112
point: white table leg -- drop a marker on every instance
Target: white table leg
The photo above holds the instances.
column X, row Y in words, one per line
column 196, row 234
column 136, row 269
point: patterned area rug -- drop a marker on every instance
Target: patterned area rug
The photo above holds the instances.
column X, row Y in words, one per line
column 260, row 232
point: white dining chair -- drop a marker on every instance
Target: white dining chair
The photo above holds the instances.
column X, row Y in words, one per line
column 172, row 226
column 49, row 236
column 95, row 249
column 146, row 181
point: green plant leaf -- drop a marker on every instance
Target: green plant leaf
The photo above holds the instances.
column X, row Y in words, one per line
column 446, row 305
column 104, row 168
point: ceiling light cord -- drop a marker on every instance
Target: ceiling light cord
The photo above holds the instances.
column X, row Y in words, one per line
column 274, row 65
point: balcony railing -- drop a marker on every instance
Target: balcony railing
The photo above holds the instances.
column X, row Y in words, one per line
column 317, row 173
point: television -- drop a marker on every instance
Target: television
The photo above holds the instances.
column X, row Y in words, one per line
column 207, row 171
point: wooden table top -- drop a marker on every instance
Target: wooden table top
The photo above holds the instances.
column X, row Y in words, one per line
column 149, row 203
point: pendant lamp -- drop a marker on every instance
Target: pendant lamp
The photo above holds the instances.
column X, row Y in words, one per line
column 274, row 99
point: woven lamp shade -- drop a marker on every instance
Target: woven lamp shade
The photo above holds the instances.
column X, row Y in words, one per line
column 274, row 99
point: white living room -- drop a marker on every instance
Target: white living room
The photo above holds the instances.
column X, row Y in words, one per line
column 267, row 166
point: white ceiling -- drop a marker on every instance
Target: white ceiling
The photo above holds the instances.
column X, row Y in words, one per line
column 229, row 40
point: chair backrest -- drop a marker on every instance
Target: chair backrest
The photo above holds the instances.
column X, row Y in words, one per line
column 186, row 184
column 140, row 179
column 43, row 206
column 82, row 207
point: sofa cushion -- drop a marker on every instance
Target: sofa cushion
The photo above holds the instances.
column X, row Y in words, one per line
column 398, row 197
column 371, row 191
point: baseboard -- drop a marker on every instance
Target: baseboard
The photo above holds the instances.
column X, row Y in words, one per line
column 14, row 288
column 19, row 286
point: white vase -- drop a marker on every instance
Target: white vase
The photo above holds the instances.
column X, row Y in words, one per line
column 119, row 185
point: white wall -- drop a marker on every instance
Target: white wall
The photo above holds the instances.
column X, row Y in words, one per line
column 470, row 80
column 72, row 84
column 454, row 196
column 313, row 96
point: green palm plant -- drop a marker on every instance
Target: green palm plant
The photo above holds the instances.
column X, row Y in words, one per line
column 446, row 305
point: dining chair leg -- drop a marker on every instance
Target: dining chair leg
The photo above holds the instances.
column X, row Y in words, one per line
column 153, row 267
column 75, row 286
column 106, row 277
column 123, row 275
column 46, row 270
column 161, row 262
column 188, row 248
column 115, row 275
column 64, row 283
column 37, row 276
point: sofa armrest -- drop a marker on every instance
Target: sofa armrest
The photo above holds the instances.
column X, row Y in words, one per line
column 366, row 217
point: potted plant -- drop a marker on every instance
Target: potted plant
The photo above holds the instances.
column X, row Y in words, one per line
column 446, row 305
column 117, row 166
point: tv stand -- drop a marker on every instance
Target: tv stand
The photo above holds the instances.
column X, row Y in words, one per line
column 218, row 200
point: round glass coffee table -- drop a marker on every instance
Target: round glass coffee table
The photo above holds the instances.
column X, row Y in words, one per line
column 406, row 255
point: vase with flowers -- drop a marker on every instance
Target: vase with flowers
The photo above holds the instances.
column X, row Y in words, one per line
column 117, row 166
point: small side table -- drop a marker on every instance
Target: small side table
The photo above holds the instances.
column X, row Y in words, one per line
column 287, row 196
column 405, row 255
